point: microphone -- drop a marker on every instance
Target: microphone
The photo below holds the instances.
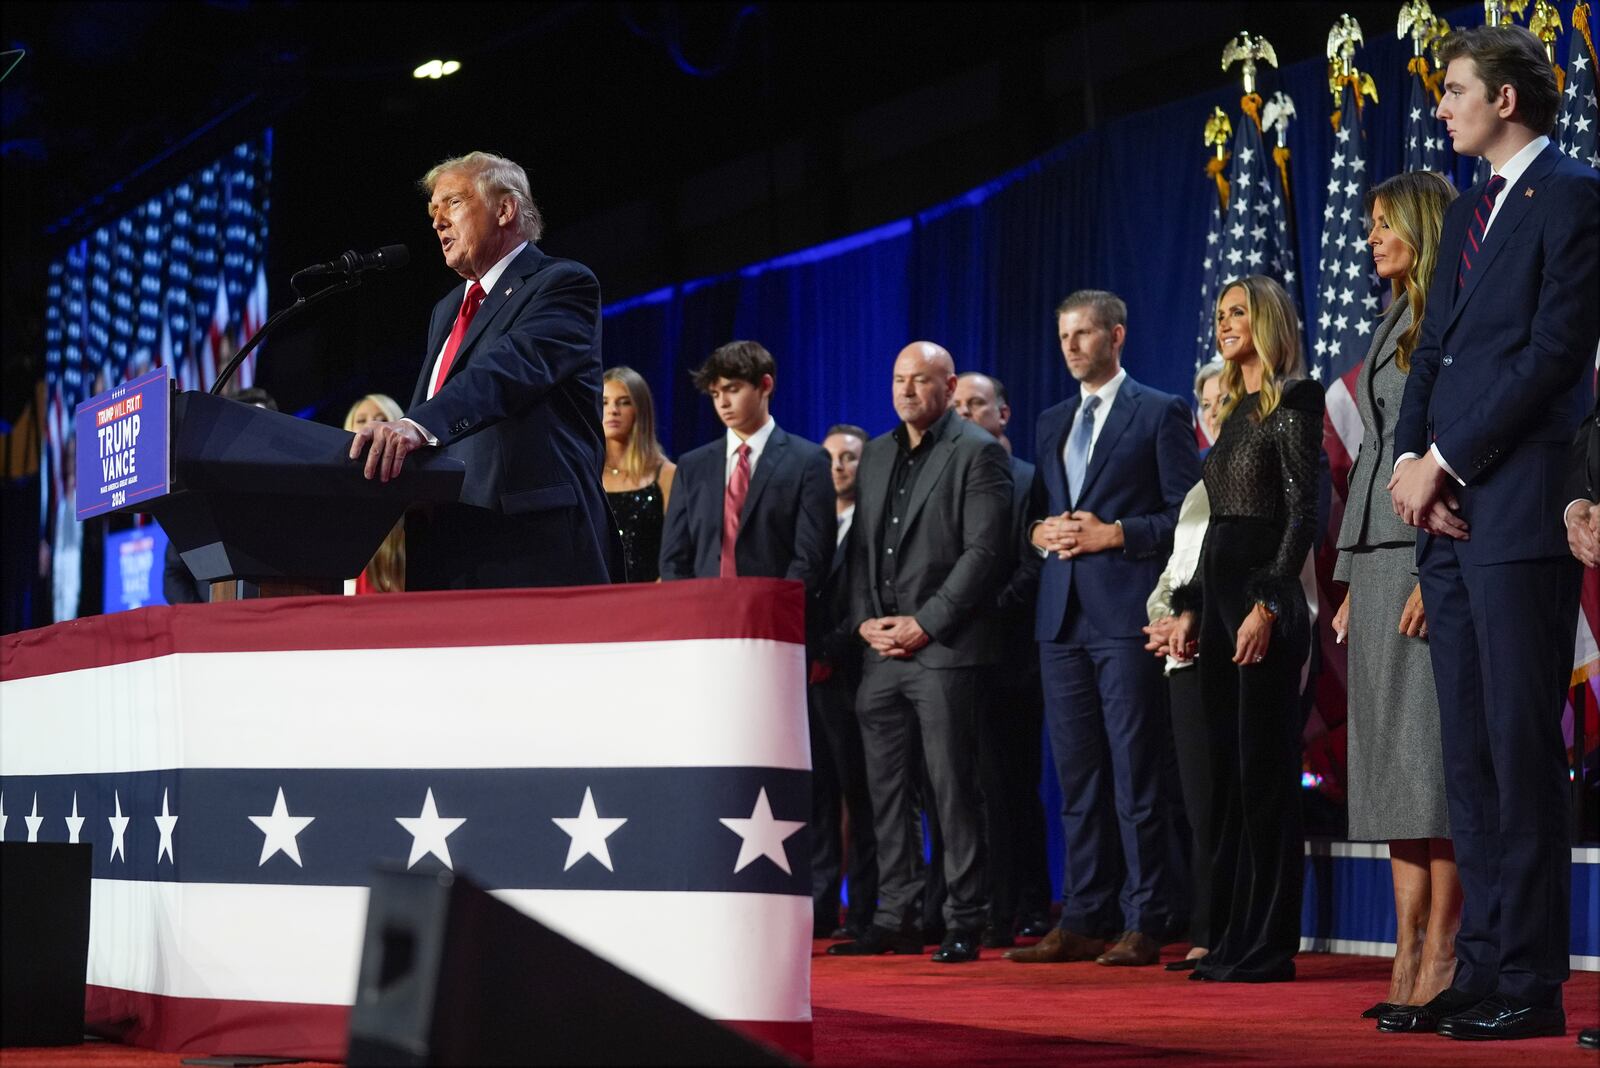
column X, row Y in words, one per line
column 385, row 258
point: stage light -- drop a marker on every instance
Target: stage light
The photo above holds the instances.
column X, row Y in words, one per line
column 436, row 69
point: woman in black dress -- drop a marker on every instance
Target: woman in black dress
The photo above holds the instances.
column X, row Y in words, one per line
column 638, row 475
column 1245, row 616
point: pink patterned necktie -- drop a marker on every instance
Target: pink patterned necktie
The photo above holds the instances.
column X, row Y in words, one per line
column 732, row 505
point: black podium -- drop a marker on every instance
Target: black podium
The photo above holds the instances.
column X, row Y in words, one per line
column 265, row 504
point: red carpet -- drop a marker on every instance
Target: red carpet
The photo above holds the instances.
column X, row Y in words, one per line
column 909, row 1011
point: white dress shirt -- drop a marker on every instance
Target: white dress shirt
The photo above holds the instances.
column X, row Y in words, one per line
column 846, row 517
column 1108, row 396
column 757, row 443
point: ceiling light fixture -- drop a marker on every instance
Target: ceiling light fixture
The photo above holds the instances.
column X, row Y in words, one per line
column 436, row 69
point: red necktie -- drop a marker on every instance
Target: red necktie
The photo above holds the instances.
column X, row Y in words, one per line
column 1475, row 228
column 469, row 308
column 732, row 505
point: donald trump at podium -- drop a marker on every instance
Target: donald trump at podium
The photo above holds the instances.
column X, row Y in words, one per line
column 510, row 384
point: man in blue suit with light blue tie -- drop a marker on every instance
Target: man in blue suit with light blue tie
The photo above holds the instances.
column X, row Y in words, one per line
column 1114, row 464
column 1499, row 382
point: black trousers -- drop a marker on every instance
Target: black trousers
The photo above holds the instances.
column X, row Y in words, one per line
column 839, row 787
column 1253, row 729
column 1501, row 639
column 1010, row 761
column 1190, row 737
column 897, row 699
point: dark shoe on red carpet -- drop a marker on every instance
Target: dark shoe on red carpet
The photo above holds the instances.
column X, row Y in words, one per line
column 1036, row 927
column 1408, row 1019
column 998, row 936
column 959, row 947
column 1589, row 1038
column 875, row 941
column 1504, row 1016
column 1058, row 947
column 1185, row 965
column 1382, row 1008
column 1133, row 949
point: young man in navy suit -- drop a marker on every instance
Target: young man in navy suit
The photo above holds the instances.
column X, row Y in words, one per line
column 1115, row 461
column 511, row 385
column 1498, row 384
column 758, row 500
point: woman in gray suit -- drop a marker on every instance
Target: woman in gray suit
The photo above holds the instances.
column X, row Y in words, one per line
column 1396, row 768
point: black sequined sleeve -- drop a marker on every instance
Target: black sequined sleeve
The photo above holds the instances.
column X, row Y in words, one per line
column 1295, row 428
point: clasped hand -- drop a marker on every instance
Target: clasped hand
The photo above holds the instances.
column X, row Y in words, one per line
column 896, row 637
column 1420, row 499
column 1174, row 636
column 1583, row 533
column 391, row 444
column 1075, row 533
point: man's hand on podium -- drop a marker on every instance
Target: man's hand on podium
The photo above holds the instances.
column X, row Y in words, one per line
column 391, row 444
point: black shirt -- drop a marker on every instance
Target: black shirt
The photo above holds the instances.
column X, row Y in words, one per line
column 908, row 467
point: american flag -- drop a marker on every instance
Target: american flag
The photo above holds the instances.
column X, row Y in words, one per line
column 1579, row 125
column 1347, row 289
column 1427, row 146
column 1252, row 237
column 174, row 282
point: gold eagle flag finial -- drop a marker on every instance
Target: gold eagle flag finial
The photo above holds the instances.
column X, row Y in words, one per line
column 1416, row 22
column 1545, row 24
column 1276, row 116
column 1248, row 48
column 1342, row 41
column 1219, row 131
column 1501, row 12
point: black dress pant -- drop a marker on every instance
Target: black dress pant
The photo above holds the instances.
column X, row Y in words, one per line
column 1010, row 761
column 898, row 699
column 1191, row 739
column 839, row 788
column 1253, row 725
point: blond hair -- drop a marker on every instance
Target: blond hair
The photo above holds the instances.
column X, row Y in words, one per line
column 387, row 568
column 643, row 454
column 1413, row 206
column 1275, row 333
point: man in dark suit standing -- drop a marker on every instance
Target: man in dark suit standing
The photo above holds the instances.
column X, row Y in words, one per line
column 930, row 533
column 511, row 385
column 1497, row 387
column 757, row 500
column 1011, row 725
column 1115, row 462
column 838, row 764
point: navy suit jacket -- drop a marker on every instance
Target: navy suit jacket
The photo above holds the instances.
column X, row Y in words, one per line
column 787, row 525
column 521, row 406
column 1143, row 465
column 1498, row 377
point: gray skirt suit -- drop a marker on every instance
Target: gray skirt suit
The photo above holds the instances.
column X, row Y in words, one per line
column 1396, row 765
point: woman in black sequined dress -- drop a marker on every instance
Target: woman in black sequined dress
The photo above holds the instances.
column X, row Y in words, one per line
column 1245, row 616
column 638, row 475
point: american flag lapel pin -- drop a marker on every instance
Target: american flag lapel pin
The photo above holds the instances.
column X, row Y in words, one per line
column 1528, row 193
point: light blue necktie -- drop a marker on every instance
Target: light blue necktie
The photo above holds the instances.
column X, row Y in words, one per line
column 1078, row 447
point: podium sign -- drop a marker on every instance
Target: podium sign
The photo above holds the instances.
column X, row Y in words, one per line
column 124, row 444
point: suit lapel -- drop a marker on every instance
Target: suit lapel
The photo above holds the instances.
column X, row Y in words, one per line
column 772, row 458
column 872, row 488
column 715, row 478
column 1518, row 203
column 510, row 280
column 1055, row 470
column 1117, row 420
column 938, row 458
column 1387, row 341
column 438, row 329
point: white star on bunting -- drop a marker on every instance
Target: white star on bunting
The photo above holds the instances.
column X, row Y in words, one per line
column 74, row 821
column 428, row 832
column 281, row 830
column 3, row 817
column 165, row 823
column 588, row 831
column 762, row 836
column 34, row 820
column 119, row 827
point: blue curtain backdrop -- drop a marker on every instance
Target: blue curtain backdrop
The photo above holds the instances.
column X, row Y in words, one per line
column 1123, row 207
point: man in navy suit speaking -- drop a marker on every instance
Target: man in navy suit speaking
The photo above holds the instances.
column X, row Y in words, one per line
column 1114, row 462
column 510, row 384
column 1499, row 382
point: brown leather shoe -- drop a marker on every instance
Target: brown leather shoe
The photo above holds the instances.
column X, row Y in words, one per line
column 1133, row 948
column 1057, row 947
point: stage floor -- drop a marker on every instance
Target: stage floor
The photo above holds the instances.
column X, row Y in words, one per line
column 909, row 1011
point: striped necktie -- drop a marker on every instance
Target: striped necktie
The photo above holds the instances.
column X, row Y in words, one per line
column 1476, row 227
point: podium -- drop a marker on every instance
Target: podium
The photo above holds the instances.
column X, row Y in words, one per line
column 271, row 505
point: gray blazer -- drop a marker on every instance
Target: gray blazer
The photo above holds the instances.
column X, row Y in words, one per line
column 955, row 546
column 1369, row 518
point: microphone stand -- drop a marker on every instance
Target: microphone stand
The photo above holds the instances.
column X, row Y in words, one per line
column 302, row 302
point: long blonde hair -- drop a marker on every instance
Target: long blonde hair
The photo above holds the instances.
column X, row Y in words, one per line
column 1414, row 204
column 387, row 568
column 643, row 454
column 1275, row 333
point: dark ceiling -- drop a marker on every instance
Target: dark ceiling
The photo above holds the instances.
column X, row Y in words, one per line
column 663, row 140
